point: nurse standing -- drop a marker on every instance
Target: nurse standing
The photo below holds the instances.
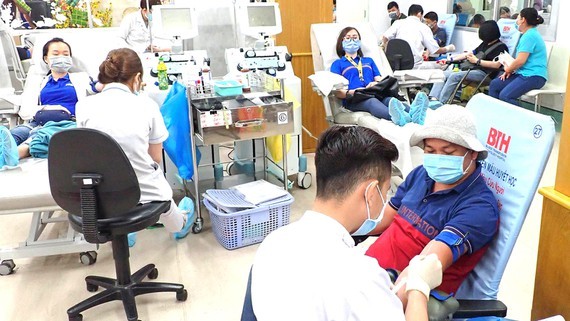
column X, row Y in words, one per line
column 135, row 29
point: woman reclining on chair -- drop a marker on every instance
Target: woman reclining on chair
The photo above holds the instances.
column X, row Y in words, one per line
column 362, row 73
column 51, row 98
column 477, row 64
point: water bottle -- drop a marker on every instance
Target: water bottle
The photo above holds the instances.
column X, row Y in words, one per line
column 162, row 76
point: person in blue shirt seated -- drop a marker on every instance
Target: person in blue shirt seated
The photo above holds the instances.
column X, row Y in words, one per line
column 439, row 34
column 49, row 98
column 528, row 71
column 361, row 72
column 481, row 63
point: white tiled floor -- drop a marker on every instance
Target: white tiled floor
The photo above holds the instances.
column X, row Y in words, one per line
column 43, row 288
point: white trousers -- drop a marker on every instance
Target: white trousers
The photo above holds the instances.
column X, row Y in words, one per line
column 173, row 219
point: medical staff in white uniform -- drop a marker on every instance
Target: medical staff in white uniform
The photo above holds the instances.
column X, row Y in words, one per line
column 418, row 35
column 135, row 30
column 310, row 269
column 136, row 124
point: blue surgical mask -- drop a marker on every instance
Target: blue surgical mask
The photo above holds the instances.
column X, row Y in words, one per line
column 517, row 26
column 60, row 63
column 351, row 46
column 370, row 224
column 445, row 169
column 393, row 15
column 149, row 16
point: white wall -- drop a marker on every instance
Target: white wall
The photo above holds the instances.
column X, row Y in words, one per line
column 375, row 12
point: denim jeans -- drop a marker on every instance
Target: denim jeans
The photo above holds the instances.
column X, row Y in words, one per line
column 22, row 132
column 377, row 108
column 443, row 90
column 512, row 88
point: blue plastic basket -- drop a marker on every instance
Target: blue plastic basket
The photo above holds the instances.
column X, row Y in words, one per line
column 227, row 88
column 250, row 226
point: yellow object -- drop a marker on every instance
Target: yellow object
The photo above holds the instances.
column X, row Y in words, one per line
column 274, row 143
column 467, row 92
column 275, row 146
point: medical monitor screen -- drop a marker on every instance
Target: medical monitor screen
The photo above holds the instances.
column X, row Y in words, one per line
column 172, row 20
column 261, row 16
column 175, row 20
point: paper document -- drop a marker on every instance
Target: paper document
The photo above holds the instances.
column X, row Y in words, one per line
column 260, row 192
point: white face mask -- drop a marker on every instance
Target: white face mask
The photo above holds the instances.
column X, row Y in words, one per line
column 370, row 224
column 60, row 64
column 137, row 87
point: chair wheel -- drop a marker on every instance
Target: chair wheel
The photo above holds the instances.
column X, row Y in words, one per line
column 92, row 287
column 197, row 227
column 7, row 267
column 181, row 295
column 304, row 180
column 88, row 258
column 78, row 317
column 153, row 274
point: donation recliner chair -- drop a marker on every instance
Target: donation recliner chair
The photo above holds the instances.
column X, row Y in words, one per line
column 513, row 174
column 91, row 178
column 323, row 47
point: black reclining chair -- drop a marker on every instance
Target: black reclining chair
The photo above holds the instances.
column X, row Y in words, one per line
column 92, row 179
column 399, row 54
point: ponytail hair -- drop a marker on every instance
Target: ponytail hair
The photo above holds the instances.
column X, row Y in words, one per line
column 121, row 65
column 531, row 16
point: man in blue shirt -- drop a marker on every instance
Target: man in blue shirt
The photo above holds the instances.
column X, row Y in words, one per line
column 444, row 206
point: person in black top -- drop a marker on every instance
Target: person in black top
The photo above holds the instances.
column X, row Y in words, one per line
column 480, row 61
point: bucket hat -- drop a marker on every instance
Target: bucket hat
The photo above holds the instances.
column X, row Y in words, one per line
column 451, row 123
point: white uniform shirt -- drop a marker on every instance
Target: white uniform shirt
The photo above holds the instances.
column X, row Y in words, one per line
column 416, row 33
column 310, row 270
column 136, row 33
column 134, row 122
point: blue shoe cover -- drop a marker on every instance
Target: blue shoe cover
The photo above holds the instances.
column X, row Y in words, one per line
column 132, row 238
column 8, row 148
column 398, row 112
column 187, row 206
column 419, row 108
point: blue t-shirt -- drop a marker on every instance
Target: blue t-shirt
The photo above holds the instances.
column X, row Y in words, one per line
column 59, row 92
column 531, row 42
column 466, row 214
column 469, row 209
column 440, row 37
column 344, row 68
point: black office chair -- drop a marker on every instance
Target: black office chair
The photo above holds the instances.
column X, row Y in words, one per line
column 399, row 54
column 92, row 179
column 247, row 313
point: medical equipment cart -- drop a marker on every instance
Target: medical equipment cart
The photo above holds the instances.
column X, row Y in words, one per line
column 217, row 119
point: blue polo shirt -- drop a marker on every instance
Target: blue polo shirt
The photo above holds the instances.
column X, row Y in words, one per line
column 344, row 68
column 440, row 37
column 59, row 92
column 467, row 214
column 531, row 42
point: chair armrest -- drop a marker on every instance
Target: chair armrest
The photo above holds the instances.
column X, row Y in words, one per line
column 480, row 308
